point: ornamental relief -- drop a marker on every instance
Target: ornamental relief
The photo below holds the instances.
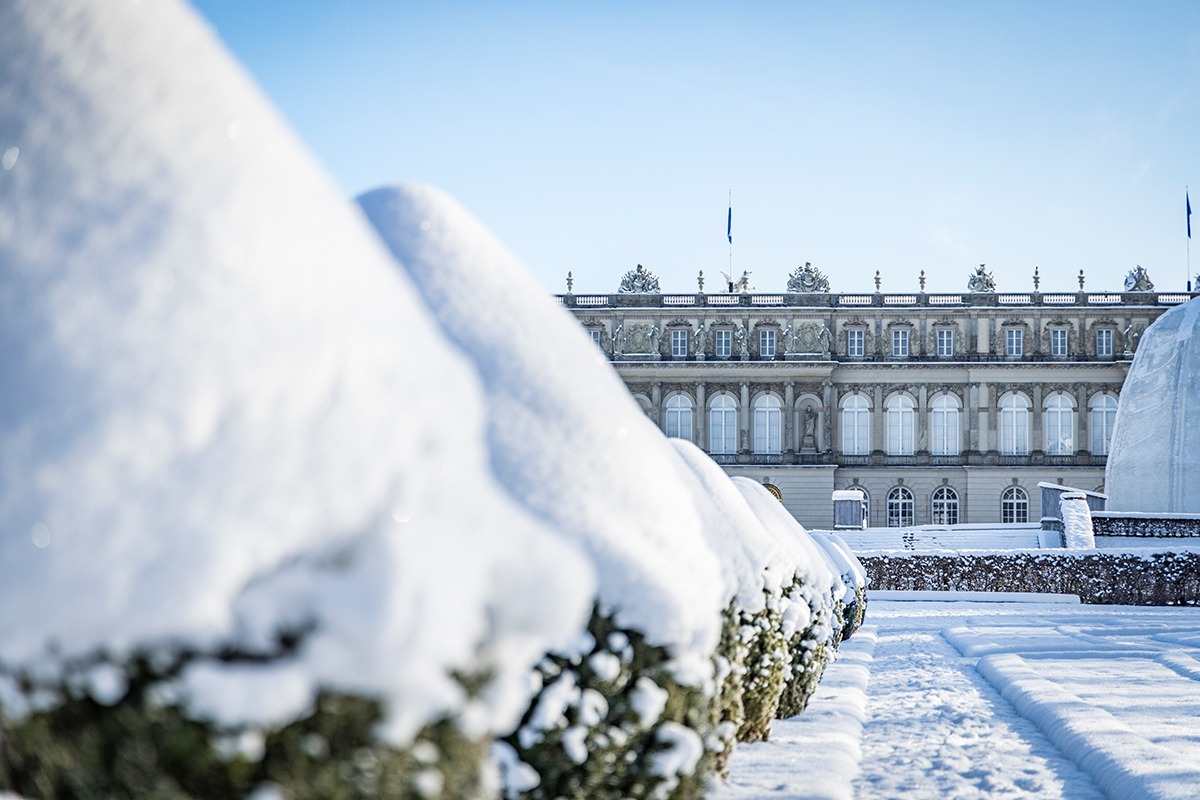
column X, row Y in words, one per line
column 808, row 338
column 638, row 338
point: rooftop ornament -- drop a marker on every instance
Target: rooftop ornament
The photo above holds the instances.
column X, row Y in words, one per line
column 1138, row 280
column 982, row 281
column 638, row 281
column 807, row 280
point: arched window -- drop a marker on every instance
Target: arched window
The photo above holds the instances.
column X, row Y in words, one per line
column 856, row 426
column 722, row 425
column 900, row 415
column 899, row 508
column 768, row 421
column 1060, row 425
column 1014, row 505
column 1014, row 425
column 943, row 426
column 679, row 417
column 1104, row 416
column 944, row 506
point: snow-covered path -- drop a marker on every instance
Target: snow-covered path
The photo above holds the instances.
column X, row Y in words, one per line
column 1028, row 699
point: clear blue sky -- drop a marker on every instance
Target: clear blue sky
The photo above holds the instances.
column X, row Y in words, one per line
column 858, row 136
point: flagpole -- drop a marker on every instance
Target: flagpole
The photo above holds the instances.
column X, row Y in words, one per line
column 729, row 233
column 1188, row 201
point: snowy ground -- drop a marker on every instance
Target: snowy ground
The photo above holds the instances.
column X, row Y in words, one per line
column 990, row 699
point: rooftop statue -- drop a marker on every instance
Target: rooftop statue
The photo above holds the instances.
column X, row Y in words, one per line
column 981, row 281
column 807, row 280
column 640, row 281
column 1138, row 280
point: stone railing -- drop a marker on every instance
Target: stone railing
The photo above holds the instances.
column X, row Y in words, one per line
column 909, row 300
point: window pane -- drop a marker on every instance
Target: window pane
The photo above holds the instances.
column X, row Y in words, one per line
column 723, row 344
column 722, row 426
column 899, row 343
column 679, row 342
column 945, row 342
column 1014, row 342
column 899, row 508
column 1104, row 342
column 766, row 344
column 854, row 343
column 1058, row 342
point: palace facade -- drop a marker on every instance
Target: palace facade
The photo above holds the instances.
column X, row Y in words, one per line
column 939, row 408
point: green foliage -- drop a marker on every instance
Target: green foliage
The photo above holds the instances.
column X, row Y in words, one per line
column 585, row 733
column 765, row 673
column 143, row 745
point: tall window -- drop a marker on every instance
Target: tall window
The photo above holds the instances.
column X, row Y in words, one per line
column 900, row 417
column 768, row 419
column 679, row 417
column 595, row 334
column 722, row 425
column 1104, row 416
column 1104, row 342
column 1014, row 425
column 723, row 343
column 766, row 344
column 899, row 508
column 1060, row 425
column 1014, row 342
column 1014, row 505
column 943, row 426
column 943, row 506
column 679, row 343
column 945, row 341
column 900, row 342
column 855, row 343
column 856, row 426
column 1058, row 341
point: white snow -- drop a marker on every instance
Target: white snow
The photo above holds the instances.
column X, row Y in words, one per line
column 566, row 438
column 1077, row 522
column 223, row 410
column 1025, row 699
column 1154, row 457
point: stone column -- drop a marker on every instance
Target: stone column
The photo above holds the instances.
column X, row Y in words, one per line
column 1037, row 438
column 828, row 414
column 878, row 442
column 789, row 418
column 701, row 417
column 983, row 334
column 744, row 418
column 921, row 429
column 1082, row 419
column 660, row 419
column 833, row 436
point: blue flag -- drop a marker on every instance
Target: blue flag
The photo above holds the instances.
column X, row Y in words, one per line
column 1186, row 199
column 729, row 226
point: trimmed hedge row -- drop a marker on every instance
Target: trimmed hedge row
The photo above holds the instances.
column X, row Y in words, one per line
column 1149, row 578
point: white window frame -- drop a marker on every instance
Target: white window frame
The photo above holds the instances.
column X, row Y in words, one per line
column 901, row 418
column 1014, row 425
column 900, row 507
column 766, row 343
column 945, row 438
column 1014, row 342
column 722, row 425
column 1104, row 341
column 1060, row 425
column 856, row 426
column 943, row 506
column 1104, row 417
column 1014, row 506
column 679, row 343
column 678, row 423
column 596, row 337
column 1059, row 342
column 945, row 342
column 855, row 343
column 722, row 343
column 900, row 342
column 768, row 424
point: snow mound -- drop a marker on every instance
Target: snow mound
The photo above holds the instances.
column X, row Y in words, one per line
column 566, row 438
column 1154, row 460
column 224, row 412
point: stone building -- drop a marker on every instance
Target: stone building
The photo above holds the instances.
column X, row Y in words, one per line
column 940, row 408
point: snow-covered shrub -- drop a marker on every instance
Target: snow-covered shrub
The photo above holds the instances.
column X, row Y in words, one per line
column 225, row 421
column 812, row 601
column 613, row 697
column 570, row 445
column 854, row 577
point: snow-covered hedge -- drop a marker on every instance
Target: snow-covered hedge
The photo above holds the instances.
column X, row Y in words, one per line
column 1142, row 576
column 287, row 515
